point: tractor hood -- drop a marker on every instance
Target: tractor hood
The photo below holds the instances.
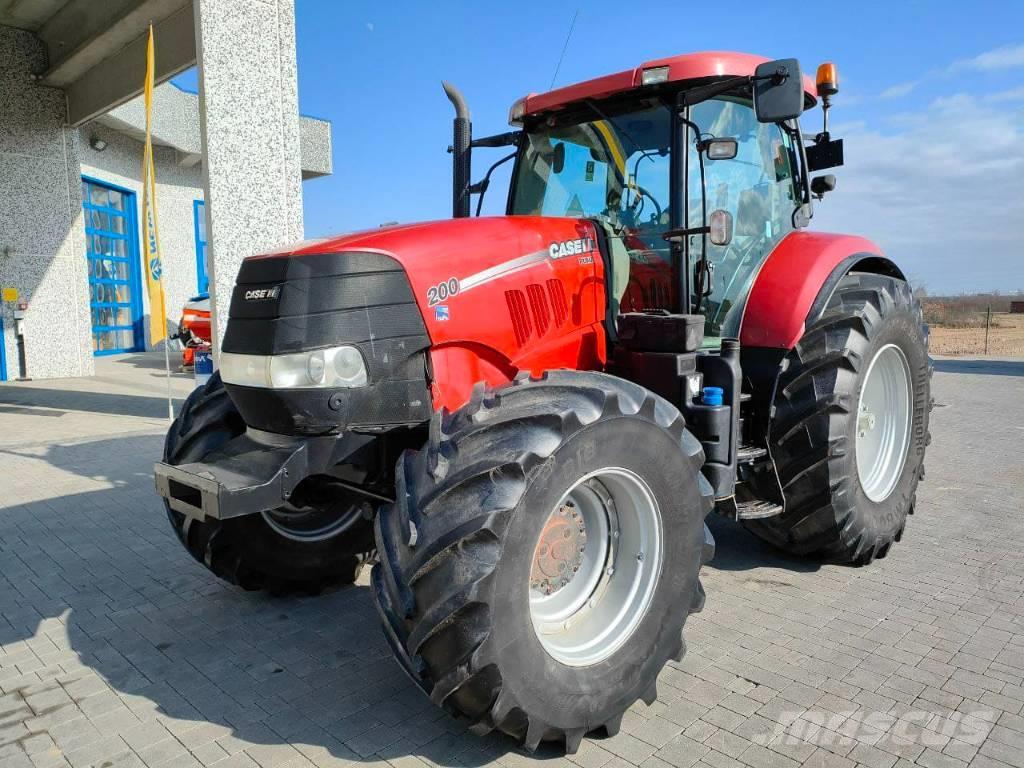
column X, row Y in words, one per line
column 455, row 266
column 470, row 299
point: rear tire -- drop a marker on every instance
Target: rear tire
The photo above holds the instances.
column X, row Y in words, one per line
column 258, row 551
column 845, row 501
column 457, row 584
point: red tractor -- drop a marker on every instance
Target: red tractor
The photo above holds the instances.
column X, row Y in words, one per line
column 525, row 419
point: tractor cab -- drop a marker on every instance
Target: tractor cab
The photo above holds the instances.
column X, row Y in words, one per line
column 617, row 170
column 659, row 156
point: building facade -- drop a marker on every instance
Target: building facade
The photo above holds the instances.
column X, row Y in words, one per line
column 70, row 194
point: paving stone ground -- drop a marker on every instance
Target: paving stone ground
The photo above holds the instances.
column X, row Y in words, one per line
column 116, row 649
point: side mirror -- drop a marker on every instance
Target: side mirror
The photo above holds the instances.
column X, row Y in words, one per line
column 822, row 184
column 720, row 149
column 778, row 91
column 720, row 227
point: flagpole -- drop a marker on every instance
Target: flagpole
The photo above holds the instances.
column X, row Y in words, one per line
column 154, row 265
column 167, row 370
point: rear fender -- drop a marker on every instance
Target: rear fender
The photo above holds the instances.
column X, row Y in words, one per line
column 797, row 280
column 790, row 292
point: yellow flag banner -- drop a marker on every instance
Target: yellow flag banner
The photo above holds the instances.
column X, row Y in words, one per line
column 154, row 265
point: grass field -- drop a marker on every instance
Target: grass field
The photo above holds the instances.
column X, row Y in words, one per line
column 1006, row 337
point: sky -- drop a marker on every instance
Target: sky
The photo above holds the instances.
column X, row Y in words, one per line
column 931, row 107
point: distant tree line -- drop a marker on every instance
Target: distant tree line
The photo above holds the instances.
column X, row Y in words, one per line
column 965, row 310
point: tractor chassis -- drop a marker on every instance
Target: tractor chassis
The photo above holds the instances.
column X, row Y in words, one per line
column 255, row 472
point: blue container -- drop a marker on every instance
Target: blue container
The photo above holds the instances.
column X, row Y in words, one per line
column 709, row 396
column 203, row 365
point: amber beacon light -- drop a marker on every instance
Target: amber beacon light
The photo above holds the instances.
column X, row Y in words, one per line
column 827, row 80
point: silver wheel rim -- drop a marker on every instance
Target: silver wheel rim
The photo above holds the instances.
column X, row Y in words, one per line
column 329, row 529
column 595, row 566
column 327, row 513
column 883, row 422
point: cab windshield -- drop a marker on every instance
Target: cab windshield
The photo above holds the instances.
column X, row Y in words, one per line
column 613, row 167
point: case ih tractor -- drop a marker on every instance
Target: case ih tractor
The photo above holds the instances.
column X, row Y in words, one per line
column 525, row 419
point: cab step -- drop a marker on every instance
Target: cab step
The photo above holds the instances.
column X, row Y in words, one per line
column 748, row 454
column 755, row 510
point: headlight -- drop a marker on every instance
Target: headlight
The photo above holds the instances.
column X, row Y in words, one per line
column 319, row 369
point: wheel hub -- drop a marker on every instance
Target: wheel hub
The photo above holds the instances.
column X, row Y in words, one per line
column 865, row 422
column 560, row 550
column 595, row 566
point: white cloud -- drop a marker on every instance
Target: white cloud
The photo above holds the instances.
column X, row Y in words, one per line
column 941, row 191
column 1014, row 94
column 898, row 90
column 1006, row 57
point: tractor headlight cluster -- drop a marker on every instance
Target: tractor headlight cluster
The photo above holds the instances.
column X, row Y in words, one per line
column 319, row 369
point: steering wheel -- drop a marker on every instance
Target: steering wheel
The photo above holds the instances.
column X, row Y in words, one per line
column 638, row 204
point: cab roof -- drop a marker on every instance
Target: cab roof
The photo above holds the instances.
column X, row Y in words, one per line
column 688, row 66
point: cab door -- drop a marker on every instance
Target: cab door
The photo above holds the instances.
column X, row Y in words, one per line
column 758, row 187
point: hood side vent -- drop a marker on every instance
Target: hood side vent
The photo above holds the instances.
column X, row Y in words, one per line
column 556, row 290
column 520, row 314
column 539, row 305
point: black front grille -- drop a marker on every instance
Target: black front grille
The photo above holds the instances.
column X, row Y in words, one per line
column 299, row 303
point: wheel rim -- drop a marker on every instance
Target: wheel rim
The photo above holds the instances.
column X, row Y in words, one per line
column 883, row 422
column 596, row 566
column 319, row 510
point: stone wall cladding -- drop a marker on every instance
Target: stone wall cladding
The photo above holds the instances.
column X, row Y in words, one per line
column 250, row 125
column 315, row 140
column 42, row 240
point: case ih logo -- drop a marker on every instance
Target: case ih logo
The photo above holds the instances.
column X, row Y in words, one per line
column 263, row 294
column 570, row 247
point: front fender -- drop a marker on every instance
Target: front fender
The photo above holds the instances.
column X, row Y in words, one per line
column 797, row 277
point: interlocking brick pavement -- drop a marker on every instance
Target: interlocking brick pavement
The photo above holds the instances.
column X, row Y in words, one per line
column 116, row 649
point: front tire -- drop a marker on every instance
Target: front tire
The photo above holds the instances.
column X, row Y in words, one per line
column 307, row 548
column 849, row 425
column 491, row 526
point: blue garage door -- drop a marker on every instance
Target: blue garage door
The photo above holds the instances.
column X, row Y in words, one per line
column 115, row 291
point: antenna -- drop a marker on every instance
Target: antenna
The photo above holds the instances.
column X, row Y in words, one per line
column 558, row 66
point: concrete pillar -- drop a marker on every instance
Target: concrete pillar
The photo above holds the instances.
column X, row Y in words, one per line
column 249, row 118
column 42, row 238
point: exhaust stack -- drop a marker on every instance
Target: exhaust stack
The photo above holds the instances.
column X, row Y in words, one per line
column 462, row 137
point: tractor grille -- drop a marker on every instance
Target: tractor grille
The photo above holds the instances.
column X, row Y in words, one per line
column 285, row 304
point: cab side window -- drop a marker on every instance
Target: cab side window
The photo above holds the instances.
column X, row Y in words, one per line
column 757, row 187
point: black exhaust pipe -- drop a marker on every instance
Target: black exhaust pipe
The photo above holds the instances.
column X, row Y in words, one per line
column 462, row 131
